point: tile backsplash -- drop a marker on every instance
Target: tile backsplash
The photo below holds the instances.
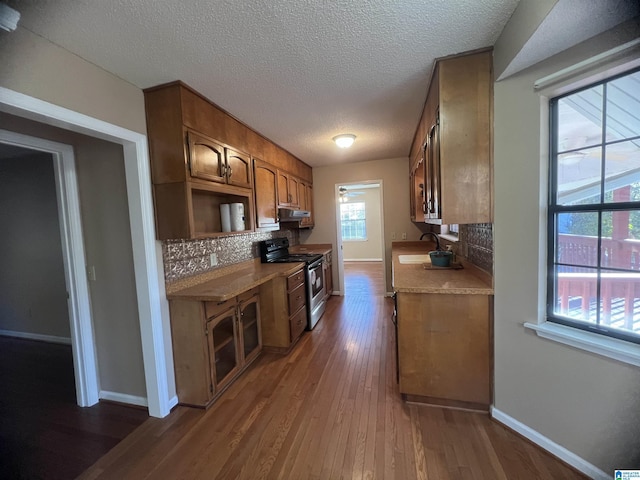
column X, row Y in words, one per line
column 475, row 244
column 479, row 244
column 185, row 258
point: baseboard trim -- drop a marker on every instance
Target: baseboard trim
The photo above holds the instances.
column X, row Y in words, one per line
column 550, row 446
column 36, row 336
column 362, row 260
column 124, row 398
column 173, row 401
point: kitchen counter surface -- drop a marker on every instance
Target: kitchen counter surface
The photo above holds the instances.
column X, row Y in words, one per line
column 320, row 248
column 414, row 278
column 228, row 283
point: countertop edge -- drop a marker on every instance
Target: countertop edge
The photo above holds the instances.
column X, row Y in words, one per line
column 231, row 285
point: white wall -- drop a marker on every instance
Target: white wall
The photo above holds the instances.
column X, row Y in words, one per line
column 36, row 67
column 371, row 248
column 586, row 403
column 33, row 294
column 394, row 174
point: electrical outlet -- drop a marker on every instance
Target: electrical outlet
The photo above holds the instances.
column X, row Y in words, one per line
column 404, row 235
column 214, row 259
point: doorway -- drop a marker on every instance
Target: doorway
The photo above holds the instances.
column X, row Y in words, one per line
column 360, row 238
column 65, row 261
column 147, row 254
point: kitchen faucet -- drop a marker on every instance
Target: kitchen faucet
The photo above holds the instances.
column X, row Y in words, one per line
column 434, row 236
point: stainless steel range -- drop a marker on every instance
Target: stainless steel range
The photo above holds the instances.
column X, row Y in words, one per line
column 276, row 250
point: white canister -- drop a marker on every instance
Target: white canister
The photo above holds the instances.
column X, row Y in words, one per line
column 237, row 217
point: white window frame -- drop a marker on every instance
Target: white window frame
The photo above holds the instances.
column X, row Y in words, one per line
column 602, row 66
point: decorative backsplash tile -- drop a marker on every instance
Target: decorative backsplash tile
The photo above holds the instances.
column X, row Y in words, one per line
column 478, row 239
column 184, row 258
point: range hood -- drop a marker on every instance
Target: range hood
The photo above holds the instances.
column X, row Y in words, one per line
column 291, row 215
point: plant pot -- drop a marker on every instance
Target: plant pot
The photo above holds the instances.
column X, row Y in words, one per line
column 440, row 258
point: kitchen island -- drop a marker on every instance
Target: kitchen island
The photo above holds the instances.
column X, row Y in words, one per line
column 444, row 326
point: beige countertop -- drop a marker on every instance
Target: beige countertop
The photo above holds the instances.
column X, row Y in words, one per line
column 319, row 248
column 230, row 282
column 414, row 278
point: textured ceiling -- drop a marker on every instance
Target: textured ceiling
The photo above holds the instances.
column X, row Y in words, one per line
column 299, row 72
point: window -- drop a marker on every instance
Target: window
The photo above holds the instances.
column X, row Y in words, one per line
column 594, row 209
column 353, row 221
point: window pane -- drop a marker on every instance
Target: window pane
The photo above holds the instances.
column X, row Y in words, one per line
column 579, row 177
column 575, row 295
column 580, row 119
column 620, row 301
column 623, row 105
column 622, row 168
column 577, row 240
column 353, row 222
column 621, row 239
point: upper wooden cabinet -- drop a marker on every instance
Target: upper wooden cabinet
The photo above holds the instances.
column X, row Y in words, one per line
column 305, row 195
column 451, row 150
column 288, row 190
column 266, row 189
column 201, row 157
column 210, row 160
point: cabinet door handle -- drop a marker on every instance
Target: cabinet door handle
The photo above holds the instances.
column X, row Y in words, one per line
column 223, row 170
column 229, row 172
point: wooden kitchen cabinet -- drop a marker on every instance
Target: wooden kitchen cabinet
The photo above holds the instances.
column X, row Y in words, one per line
column 266, row 195
column 445, row 348
column 306, row 203
column 288, row 190
column 285, row 318
column 211, row 160
column 222, row 334
column 192, row 209
column 213, row 342
column 192, row 172
column 416, row 184
column 452, row 146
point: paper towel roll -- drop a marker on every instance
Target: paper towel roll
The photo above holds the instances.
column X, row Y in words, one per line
column 225, row 217
column 237, row 217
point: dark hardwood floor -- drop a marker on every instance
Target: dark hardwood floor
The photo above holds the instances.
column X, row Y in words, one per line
column 328, row 410
column 43, row 433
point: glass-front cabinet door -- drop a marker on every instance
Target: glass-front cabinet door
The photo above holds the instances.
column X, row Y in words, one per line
column 250, row 327
column 223, row 348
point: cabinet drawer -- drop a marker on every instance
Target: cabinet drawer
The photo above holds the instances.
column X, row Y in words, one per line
column 296, row 299
column 295, row 280
column 248, row 294
column 214, row 308
column 298, row 323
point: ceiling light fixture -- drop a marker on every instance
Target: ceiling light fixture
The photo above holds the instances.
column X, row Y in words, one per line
column 345, row 140
column 8, row 17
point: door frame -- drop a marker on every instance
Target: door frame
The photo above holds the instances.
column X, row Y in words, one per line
column 73, row 257
column 153, row 308
column 340, row 256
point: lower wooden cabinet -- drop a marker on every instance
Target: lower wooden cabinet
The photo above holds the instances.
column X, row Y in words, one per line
column 285, row 317
column 213, row 342
column 445, row 348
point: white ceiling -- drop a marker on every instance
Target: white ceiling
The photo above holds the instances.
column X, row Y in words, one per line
column 299, row 72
